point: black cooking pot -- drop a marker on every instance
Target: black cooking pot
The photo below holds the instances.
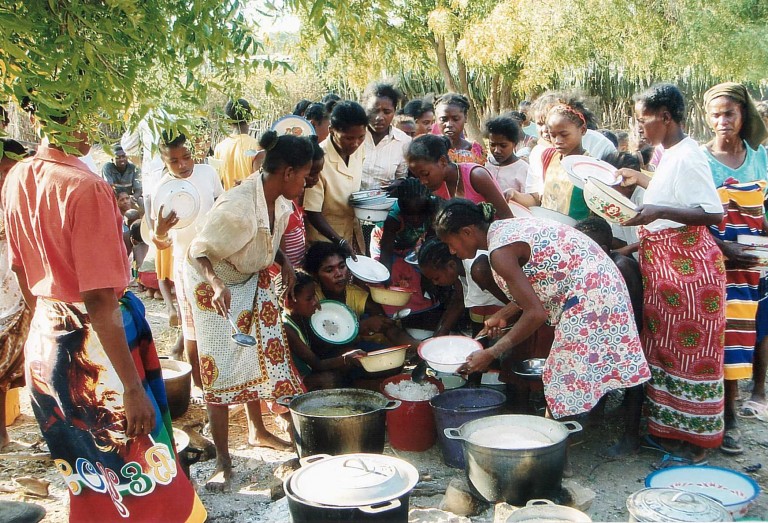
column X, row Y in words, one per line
column 365, row 487
column 338, row 421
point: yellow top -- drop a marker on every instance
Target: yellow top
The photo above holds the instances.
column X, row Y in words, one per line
column 331, row 194
column 355, row 298
column 236, row 166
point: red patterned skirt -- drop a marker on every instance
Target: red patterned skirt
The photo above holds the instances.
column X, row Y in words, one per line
column 683, row 333
column 231, row 373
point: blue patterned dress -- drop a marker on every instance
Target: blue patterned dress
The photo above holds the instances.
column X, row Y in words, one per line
column 596, row 347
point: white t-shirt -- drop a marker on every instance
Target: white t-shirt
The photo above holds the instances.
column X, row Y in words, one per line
column 597, row 145
column 512, row 176
column 385, row 160
column 534, row 181
column 208, row 185
column 474, row 296
column 682, row 180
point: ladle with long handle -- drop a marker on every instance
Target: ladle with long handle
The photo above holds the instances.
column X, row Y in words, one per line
column 242, row 339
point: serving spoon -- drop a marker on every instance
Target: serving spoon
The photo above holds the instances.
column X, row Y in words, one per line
column 242, row 339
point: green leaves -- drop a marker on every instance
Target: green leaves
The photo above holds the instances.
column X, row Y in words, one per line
column 116, row 59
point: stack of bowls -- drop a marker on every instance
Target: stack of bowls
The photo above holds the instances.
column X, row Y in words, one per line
column 371, row 206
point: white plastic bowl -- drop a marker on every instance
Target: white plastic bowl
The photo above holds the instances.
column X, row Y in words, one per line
column 384, row 359
column 419, row 334
column 447, row 353
column 608, row 202
column 385, row 203
column 394, row 296
column 371, row 215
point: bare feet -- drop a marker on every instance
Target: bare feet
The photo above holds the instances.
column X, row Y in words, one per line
column 196, row 395
column 270, row 441
column 173, row 317
column 4, row 437
column 221, row 480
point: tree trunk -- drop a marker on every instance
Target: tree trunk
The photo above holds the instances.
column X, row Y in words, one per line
column 472, row 127
column 495, row 101
column 442, row 64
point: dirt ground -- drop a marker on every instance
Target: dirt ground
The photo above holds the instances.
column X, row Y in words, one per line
column 251, row 501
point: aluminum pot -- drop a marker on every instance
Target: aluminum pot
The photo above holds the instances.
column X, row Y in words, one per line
column 365, row 487
column 499, row 471
column 338, row 421
column 543, row 510
column 669, row 504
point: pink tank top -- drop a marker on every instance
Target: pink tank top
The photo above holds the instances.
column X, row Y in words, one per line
column 465, row 171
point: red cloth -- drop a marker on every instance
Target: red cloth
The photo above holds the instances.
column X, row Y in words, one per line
column 64, row 227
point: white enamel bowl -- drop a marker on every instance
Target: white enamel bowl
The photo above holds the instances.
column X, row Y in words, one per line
column 608, row 202
column 447, row 353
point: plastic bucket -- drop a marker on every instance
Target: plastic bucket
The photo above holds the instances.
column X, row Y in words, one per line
column 455, row 407
column 411, row 426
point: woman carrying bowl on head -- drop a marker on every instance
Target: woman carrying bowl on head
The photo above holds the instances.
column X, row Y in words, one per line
column 327, row 204
column 429, row 161
column 553, row 273
column 739, row 166
column 684, row 275
column 227, row 271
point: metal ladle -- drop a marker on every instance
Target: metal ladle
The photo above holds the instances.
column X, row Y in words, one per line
column 242, row 339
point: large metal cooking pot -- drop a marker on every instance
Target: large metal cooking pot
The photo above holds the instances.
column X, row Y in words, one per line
column 543, row 511
column 338, row 421
column 364, row 487
column 514, row 458
column 669, row 504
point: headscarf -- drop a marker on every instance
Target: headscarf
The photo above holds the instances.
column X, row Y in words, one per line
column 753, row 129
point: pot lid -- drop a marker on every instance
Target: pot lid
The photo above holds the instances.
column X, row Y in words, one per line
column 668, row 504
column 353, row 480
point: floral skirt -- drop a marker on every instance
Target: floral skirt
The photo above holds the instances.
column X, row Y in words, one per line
column 684, row 324
column 231, row 373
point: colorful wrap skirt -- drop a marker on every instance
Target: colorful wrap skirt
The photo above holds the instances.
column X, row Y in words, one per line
column 231, row 373
column 683, row 332
column 77, row 398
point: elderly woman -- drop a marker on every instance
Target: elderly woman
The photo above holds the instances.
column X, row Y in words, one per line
column 739, row 166
column 684, row 298
column 227, row 273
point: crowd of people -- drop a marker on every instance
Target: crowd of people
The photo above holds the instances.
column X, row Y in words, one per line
column 668, row 307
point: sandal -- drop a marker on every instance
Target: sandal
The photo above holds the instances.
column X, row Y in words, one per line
column 732, row 442
column 753, row 409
